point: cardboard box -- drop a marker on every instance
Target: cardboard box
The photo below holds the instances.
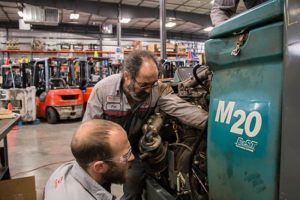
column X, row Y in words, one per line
column 152, row 47
column 169, row 47
column 127, row 50
column 181, row 48
column 136, row 44
column 18, row 189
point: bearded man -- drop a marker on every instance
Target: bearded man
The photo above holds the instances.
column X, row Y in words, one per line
column 102, row 152
column 129, row 98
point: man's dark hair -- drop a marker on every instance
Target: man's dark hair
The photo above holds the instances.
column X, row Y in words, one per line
column 135, row 59
column 90, row 142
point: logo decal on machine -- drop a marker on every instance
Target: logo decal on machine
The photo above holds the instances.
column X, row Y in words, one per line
column 247, row 122
column 245, row 144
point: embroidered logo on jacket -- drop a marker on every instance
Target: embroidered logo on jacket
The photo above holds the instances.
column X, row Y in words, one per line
column 113, row 99
column 58, row 181
column 113, row 106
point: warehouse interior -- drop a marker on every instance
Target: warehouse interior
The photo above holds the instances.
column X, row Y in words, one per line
column 202, row 95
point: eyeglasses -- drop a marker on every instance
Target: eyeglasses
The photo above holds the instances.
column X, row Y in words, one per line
column 144, row 86
column 123, row 159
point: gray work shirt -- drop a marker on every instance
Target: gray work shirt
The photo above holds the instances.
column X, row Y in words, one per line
column 108, row 101
column 70, row 181
column 222, row 10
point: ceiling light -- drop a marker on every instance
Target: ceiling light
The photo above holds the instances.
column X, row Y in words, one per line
column 212, row 2
column 20, row 13
column 208, row 29
column 74, row 16
column 125, row 20
column 170, row 24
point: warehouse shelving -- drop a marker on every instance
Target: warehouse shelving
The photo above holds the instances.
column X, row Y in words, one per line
column 56, row 51
column 7, row 52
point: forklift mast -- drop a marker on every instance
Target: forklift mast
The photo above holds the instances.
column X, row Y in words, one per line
column 17, row 91
column 79, row 72
column 98, row 68
column 15, row 75
column 44, row 72
column 7, row 76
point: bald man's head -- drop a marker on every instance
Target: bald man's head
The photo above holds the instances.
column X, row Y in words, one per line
column 93, row 141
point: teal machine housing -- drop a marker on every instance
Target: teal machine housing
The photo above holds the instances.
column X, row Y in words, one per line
column 244, row 128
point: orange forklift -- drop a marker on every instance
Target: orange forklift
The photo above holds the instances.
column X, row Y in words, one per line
column 87, row 72
column 56, row 99
column 79, row 71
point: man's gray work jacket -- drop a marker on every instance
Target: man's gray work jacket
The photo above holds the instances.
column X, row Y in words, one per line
column 70, row 181
column 222, row 10
column 109, row 102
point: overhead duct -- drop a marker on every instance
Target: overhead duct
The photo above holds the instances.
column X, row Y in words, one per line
column 40, row 16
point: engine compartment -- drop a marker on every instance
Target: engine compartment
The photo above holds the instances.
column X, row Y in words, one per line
column 174, row 154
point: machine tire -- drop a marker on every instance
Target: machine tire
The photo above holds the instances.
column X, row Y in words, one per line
column 51, row 116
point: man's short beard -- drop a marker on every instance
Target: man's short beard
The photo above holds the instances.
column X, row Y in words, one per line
column 117, row 173
column 139, row 97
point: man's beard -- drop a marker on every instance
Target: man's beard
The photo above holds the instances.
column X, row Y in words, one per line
column 117, row 173
column 140, row 96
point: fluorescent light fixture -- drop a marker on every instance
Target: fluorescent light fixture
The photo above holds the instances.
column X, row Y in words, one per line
column 212, row 2
column 208, row 29
column 170, row 24
column 74, row 16
column 106, row 39
column 20, row 13
column 125, row 20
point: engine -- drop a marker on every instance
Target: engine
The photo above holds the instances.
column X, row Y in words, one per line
column 174, row 154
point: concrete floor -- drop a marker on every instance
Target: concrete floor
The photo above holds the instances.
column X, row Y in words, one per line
column 37, row 150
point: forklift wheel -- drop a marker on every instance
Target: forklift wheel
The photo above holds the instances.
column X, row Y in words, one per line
column 52, row 117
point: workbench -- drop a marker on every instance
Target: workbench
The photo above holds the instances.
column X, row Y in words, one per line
column 5, row 126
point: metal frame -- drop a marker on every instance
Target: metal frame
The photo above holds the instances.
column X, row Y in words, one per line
column 290, row 148
column 111, row 10
column 6, row 125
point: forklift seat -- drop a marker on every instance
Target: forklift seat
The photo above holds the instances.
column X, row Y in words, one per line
column 56, row 83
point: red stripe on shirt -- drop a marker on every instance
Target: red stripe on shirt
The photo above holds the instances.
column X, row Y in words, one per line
column 114, row 113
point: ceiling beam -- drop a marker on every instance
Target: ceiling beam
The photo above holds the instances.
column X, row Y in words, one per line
column 88, row 21
column 150, row 23
column 5, row 13
column 181, row 5
column 197, row 30
column 110, row 10
column 141, row 2
column 203, row 4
